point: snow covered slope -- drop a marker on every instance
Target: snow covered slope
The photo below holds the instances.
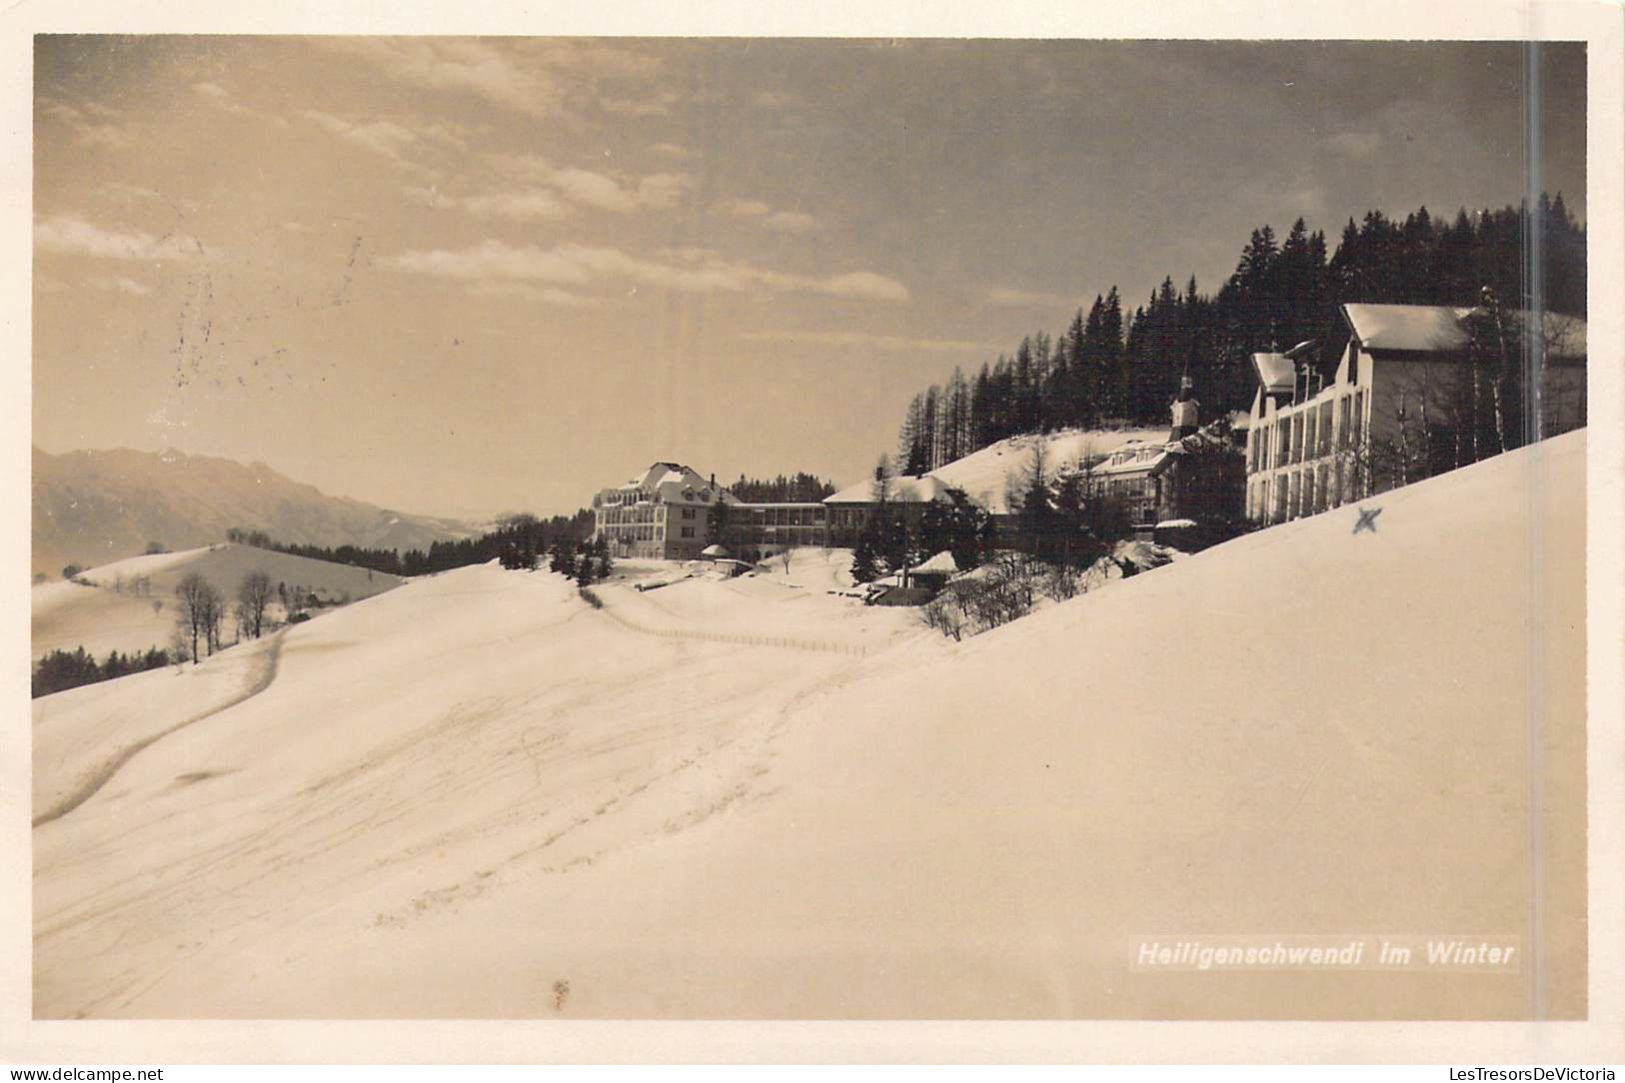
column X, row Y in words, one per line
column 91, row 507
column 475, row 796
column 101, row 618
column 987, row 475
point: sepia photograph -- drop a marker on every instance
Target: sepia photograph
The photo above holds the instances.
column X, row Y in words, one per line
column 556, row 527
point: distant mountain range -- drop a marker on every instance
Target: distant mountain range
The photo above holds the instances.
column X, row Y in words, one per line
column 91, row 507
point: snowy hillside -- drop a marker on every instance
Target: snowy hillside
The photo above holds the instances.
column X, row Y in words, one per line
column 475, row 796
column 111, row 615
column 986, row 476
column 90, row 507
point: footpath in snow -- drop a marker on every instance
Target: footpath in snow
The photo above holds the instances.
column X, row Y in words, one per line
column 477, row 797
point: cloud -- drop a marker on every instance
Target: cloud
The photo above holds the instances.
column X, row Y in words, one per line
column 672, row 150
column 524, row 291
column 73, row 235
column 745, row 208
column 581, row 265
column 211, row 90
column 1012, row 298
column 382, row 137
column 600, row 191
column 789, row 222
column 85, row 131
column 764, row 214
column 121, row 284
column 463, row 65
column 112, row 136
column 1356, row 144
column 658, row 191
column 656, row 105
column 860, row 340
column 526, row 205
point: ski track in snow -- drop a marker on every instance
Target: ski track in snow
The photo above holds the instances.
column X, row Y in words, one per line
column 549, row 808
column 102, row 774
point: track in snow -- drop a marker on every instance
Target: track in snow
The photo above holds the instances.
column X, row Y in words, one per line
column 789, row 642
column 104, row 774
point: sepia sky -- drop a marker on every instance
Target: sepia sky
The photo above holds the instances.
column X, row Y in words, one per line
column 459, row 276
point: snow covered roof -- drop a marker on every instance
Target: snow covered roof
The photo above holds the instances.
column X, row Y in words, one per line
column 675, row 483
column 1275, row 371
column 1176, row 524
column 1438, row 328
column 713, row 551
column 943, row 563
column 903, row 490
column 1144, row 459
column 1419, row 328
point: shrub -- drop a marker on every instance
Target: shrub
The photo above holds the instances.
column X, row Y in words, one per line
column 590, row 598
column 1000, row 595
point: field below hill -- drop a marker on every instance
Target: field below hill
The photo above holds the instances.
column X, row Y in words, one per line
column 477, row 796
column 130, row 605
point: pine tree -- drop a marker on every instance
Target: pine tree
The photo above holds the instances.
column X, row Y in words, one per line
column 864, row 567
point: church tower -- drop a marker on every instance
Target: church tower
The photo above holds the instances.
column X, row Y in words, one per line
column 1184, row 411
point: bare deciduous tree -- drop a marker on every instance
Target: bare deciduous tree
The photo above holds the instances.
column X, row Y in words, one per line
column 199, row 616
column 253, row 596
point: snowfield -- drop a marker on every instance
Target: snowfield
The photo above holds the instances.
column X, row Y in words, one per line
column 988, row 476
column 477, row 797
column 67, row 615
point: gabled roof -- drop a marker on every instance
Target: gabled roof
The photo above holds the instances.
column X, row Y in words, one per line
column 943, row 562
column 1412, row 328
column 1440, row 328
column 1275, row 371
column 679, row 484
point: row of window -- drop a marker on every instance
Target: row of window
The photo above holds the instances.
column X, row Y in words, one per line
column 1306, row 433
column 1298, row 493
column 814, row 515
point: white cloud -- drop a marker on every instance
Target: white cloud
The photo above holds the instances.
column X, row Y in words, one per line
column 600, row 191
column 71, row 234
column 860, row 340
column 1356, row 144
column 579, row 265
column 745, row 208
column 112, row 136
column 1012, row 298
column 382, row 137
column 121, row 284
column 764, row 214
column 788, row 222
column 470, row 66
column 524, row 291
column 526, row 205
column 658, row 191
column 115, row 136
column 655, row 105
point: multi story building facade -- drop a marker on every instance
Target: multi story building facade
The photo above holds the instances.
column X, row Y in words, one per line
column 759, row 531
column 1195, row 477
column 1312, row 447
column 851, row 509
column 662, row 514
